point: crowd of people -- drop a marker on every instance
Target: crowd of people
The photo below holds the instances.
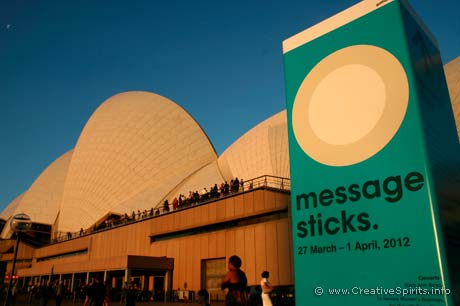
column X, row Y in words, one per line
column 98, row 293
column 179, row 202
column 39, row 293
column 95, row 293
column 182, row 201
column 197, row 197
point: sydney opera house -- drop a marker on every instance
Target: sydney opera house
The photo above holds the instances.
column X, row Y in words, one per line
column 142, row 196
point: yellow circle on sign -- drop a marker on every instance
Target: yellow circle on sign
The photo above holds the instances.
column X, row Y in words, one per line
column 350, row 105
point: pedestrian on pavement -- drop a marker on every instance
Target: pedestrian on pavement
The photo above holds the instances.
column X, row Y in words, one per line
column 266, row 289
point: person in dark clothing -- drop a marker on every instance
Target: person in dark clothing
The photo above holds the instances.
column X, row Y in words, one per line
column 108, row 292
column 166, row 206
column 236, row 185
column 131, row 295
column 124, row 290
column 96, row 293
column 44, row 292
column 255, row 296
column 59, row 293
column 226, row 188
column 203, row 297
column 236, row 282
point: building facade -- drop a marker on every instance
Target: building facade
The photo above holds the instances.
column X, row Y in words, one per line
column 180, row 251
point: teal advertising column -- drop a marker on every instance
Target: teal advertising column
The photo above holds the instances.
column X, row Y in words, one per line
column 364, row 90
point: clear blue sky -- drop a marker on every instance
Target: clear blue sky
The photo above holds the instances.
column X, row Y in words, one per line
column 220, row 60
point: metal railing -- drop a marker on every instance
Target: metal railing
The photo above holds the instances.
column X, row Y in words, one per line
column 265, row 181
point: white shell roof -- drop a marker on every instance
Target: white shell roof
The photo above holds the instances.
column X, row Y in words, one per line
column 133, row 141
column 261, row 151
column 11, row 208
column 43, row 199
column 452, row 70
column 196, row 181
column 204, row 178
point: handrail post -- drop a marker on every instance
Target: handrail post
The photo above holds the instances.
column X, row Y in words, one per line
column 10, row 284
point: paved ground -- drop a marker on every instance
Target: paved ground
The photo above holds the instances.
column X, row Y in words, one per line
column 137, row 304
column 22, row 301
column 70, row 303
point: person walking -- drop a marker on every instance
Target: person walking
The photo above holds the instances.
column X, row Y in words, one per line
column 96, row 293
column 124, row 291
column 14, row 290
column 236, row 282
column 131, row 295
column 59, row 293
column 266, row 289
column 44, row 291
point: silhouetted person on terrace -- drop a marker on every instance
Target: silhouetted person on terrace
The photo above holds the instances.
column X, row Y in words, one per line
column 175, row 203
column 166, row 206
column 196, row 197
column 226, row 188
column 236, row 185
column 214, row 191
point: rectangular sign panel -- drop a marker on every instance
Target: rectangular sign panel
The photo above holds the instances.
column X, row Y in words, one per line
column 364, row 207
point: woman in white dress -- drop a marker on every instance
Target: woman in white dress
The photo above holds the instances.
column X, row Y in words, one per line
column 266, row 289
